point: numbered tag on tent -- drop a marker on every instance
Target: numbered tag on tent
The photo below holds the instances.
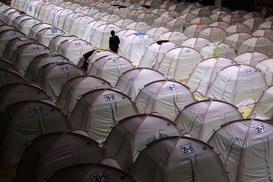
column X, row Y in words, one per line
column 35, row 48
column 3, row 75
column 54, row 30
column 177, row 34
column 263, row 40
column 12, row 33
column 260, row 129
column 36, row 110
column 77, row 44
column 63, row 68
column 222, row 46
column 188, row 51
column 248, row 71
column 50, row 55
column 115, row 60
column 172, row 87
column 111, row 27
column 109, row 97
column 187, row 149
column 36, row 22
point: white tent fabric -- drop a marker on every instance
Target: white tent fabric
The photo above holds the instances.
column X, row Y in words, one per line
column 240, row 85
column 175, row 37
column 218, row 49
column 90, row 29
column 266, row 66
column 250, row 58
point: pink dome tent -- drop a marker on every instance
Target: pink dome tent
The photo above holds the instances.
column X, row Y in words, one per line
column 253, row 14
column 177, row 24
column 131, row 81
column 201, row 119
column 90, row 29
column 266, row 24
column 238, row 28
column 122, row 23
column 220, row 24
column 201, row 12
column 171, row 158
column 69, row 20
column 187, row 17
column 175, row 37
column 205, row 72
column 111, row 18
column 266, row 67
column 202, row 19
column 239, row 12
column 141, row 130
column 139, row 26
column 224, row 9
column 215, row 34
column 218, row 49
column 133, row 46
column 179, row 62
column 236, row 39
column 163, row 97
column 178, row 7
column 193, row 30
column 79, row 24
column 10, row 76
column 247, row 140
column 253, row 23
column 263, row 108
column 250, row 58
column 196, row 42
column 147, row 17
column 156, row 32
column 233, row 19
column 218, row 16
column 57, row 40
column 264, row 33
column 155, row 52
column 262, row 44
column 225, row 85
column 97, row 111
column 161, row 21
column 74, row 88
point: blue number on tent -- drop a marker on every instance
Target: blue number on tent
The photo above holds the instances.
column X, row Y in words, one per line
column 101, row 176
column 63, row 68
column 3, row 75
column 187, row 149
column 260, row 129
column 115, row 60
column 172, row 87
column 36, row 110
column 109, row 97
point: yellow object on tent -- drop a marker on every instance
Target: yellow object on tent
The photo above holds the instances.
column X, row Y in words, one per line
column 215, row 50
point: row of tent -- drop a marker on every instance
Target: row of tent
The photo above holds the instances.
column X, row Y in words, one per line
column 80, row 124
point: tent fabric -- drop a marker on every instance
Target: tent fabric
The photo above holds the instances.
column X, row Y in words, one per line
column 173, row 158
column 109, row 67
column 139, row 26
column 261, row 44
column 268, row 33
column 133, row 47
column 132, row 134
column 215, row 34
column 6, row 36
column 46, row 35
column 99, row 110
column 266, row 25
column 205, row 72
column 218, row 49
column 187, row 17
column 161, row 21
column 7, row 65
column 263, row 108
column 74, row 88
column 57, row 40
column 98, row 16
column 9, row 77
column 238, row 28
column 38, row 62
column 236, row 39
column 156, row 32
column 36, row 28
column 253, row 23
column 250, row 58
column 164, row 97
column 74, row 49
column 193, row 30
column 24, row 121
column 90, row 29
column 155, row 52
column 226, row 87
column 218, row 16
column 201, row 12
column 177, row 24
column 120, row 11
column 14, row 93
column 25, row 25
column 55, row 151
column 233, row 19
column 253, row 14
column 131, row 81
column 220, row 24
column 248, row 140
column 266, row 68
column 25, row 53
column 147, row 17
column 201, row 20
column 201, row 119
column 51, row 77
column 69, row 20
column 196, row 42
column 122, row 23
column 179, row 62
column 94, row 171
column 100, row 37
column 111, row 18
column 175, row 37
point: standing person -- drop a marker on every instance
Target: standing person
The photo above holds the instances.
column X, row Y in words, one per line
column 114, row 42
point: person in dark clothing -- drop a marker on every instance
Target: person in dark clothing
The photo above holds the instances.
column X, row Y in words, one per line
column 114, row 42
